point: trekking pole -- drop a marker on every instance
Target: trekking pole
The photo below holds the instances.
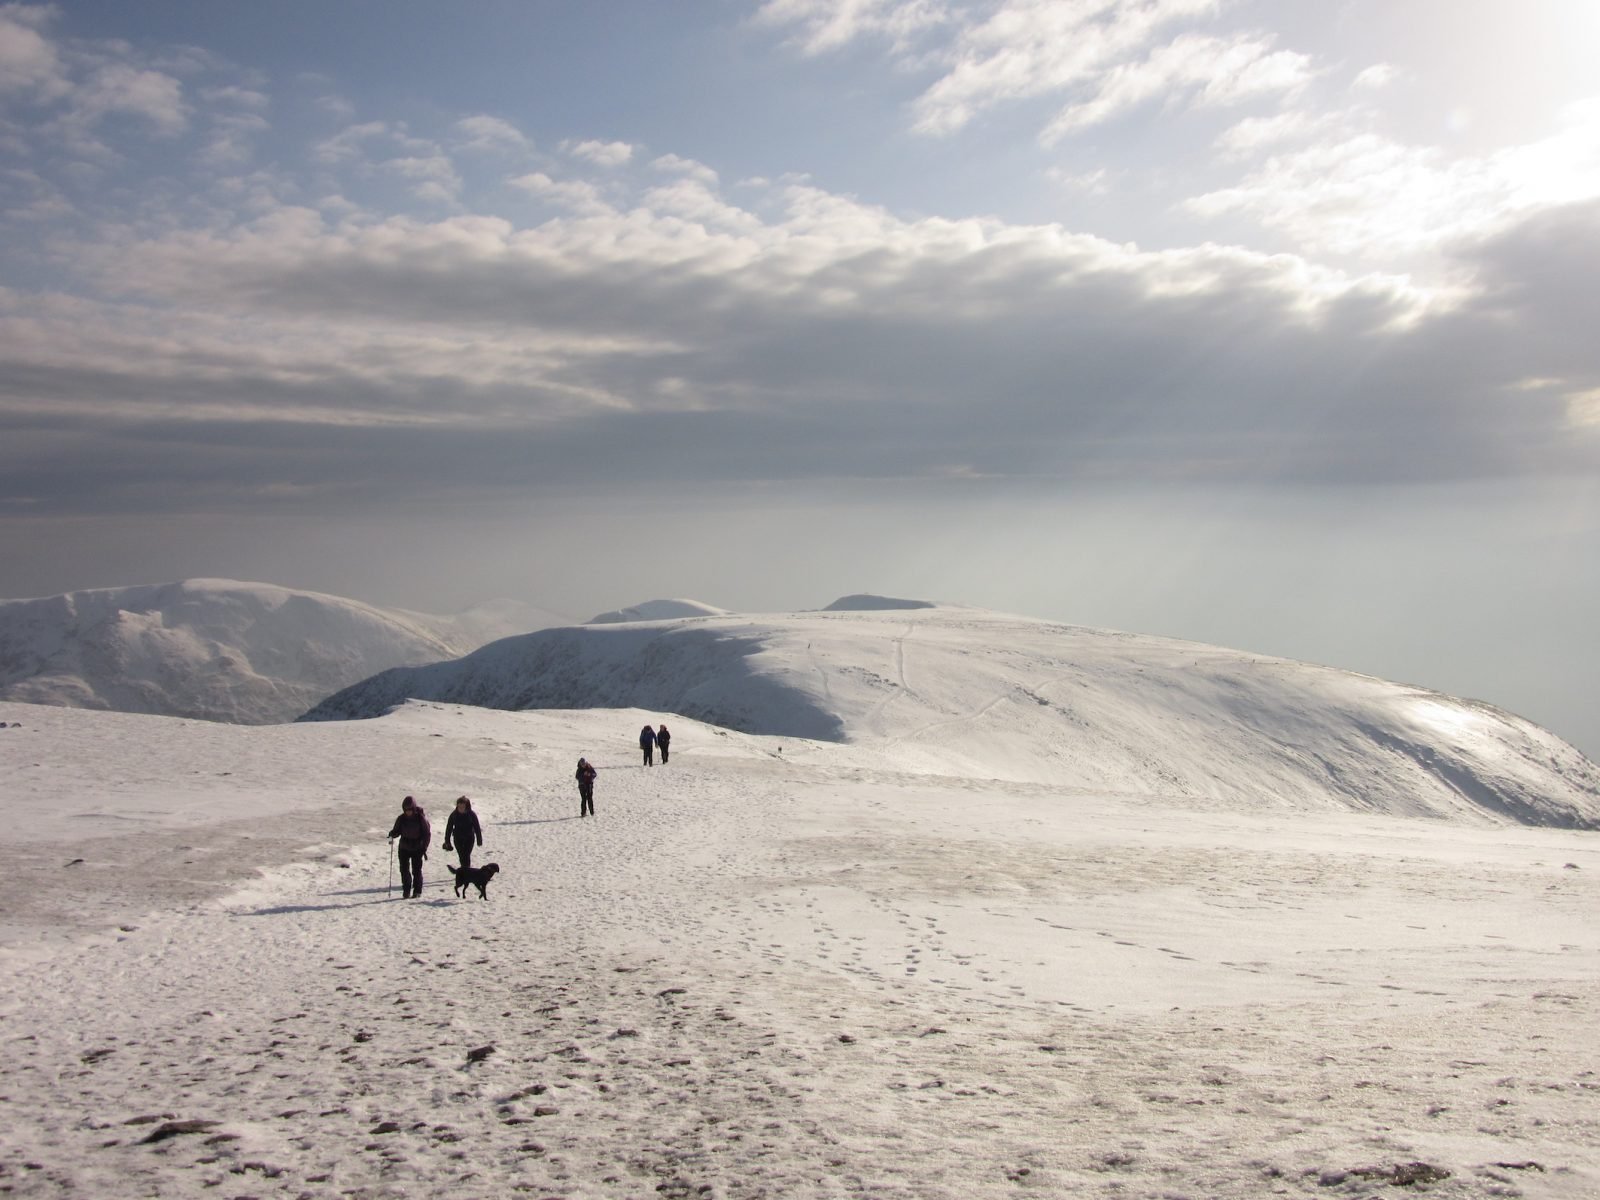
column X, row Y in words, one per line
column 388, row 891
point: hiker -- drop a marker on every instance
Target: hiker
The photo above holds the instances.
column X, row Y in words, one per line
column 464, row 830
column 585, row 779
column 662, row 738
column 647, row 743
column 414, row 832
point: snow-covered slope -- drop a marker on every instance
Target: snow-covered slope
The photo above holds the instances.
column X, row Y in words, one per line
column 975, row 694
column 753, row 975
column 220, row 650
column 658, row 610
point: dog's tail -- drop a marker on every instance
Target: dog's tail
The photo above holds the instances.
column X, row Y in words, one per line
column 452, row 870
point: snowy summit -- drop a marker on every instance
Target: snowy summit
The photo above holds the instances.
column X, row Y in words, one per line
column 221, row 650
column 957, row 691
column 657, row 610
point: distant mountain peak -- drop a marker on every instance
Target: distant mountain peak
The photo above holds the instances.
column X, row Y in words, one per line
column 866, row 602
column 222, row 649
column 658, row 610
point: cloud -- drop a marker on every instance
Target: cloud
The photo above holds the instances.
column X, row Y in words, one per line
column 240, row 97
column 81, row 87
column 829, row 338
column 1030, row 48
column 232, row 139
column 350, row 143
column 487, row 134
column 673, row 164
column 1248, row 138
column 624, row 328
column 830, row 24
column 604, row 154
column 1376, row 77
column 433, row 176
column 1216, row 72
column 575, row 195
column 29, row 62
column 1368, row 196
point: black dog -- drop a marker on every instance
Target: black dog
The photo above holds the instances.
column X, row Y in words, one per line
column 478, row 877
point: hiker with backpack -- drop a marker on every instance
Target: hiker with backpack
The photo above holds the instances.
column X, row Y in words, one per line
column 585, row 777
column 464, row 830
column 662, row 740
column 414, row 833
column 647, row 743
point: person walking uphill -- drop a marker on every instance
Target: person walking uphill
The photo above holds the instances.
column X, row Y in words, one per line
column 464, row 830
column 414, row 832
column 647, row 743
column 662, row 739
column 585, row 779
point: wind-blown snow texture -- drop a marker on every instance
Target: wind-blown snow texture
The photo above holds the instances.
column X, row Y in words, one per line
column 219, row 650
column 953, row 691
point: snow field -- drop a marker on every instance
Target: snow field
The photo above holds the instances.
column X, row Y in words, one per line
column 764, row 973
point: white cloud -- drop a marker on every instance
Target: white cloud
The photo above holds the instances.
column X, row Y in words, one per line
column 1031, row 48
column 604, row 154
column 692, row 200
column 1215, row 72
column 119, row 88
column 675, row 165
column 351, row 142
column 29, row 62
column 830, row 24
column 241, row 97
column 491, row 134
column 1368, row 196
column 1253, row 135
column 1375, row 78
column 232, row 139
column 433, row 176
column 1089, row 183
column 574, row 195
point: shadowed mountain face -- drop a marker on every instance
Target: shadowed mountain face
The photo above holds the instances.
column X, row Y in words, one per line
column 948, row 691
column 218, row 650
column 709, row 673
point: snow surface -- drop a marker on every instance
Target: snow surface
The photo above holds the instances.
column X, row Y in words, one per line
column 771, row 968
column 221, row 650
column 984, row 695
column 657, row 610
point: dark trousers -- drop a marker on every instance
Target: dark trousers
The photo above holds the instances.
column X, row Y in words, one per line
column 648, row 747
column 410, row 871
column 663, row 746
column 586, row 799
column 464, row 849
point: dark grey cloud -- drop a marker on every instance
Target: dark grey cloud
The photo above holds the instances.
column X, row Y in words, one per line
column 291, row 363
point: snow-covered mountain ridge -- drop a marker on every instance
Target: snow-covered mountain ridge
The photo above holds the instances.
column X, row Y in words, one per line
column 657, row 610
column 221, row 650
column 975, row 694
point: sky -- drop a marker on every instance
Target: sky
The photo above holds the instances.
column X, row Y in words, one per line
column 1264, row 325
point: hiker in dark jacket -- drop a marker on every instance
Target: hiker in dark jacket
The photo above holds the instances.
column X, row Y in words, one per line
column 662, row 738
column 414, row 832
column 585, row 777
column 647, row 743
column 463, row 829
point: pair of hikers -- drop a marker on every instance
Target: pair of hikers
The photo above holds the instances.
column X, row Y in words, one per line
column 413, row 833
column 649, row 739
